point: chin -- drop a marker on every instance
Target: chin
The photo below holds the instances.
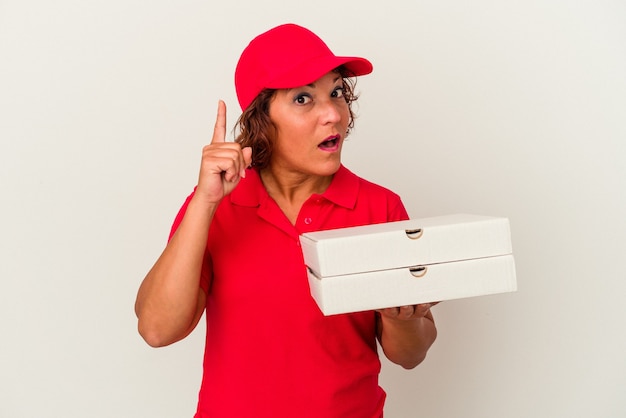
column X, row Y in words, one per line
column 329, row 168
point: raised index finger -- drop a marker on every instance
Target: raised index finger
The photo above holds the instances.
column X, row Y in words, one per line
column 219, row 131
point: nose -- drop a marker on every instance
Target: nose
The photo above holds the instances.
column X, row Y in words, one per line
column 330, row 112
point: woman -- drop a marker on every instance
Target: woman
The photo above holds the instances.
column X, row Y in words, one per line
column 234, row 248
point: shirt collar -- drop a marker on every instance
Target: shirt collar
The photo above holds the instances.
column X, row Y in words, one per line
column 342, row 191
column 250, row 190
column 344, row 188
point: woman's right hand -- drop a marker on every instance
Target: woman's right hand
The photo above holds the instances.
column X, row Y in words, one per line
column 170, row 300
column 223, row 163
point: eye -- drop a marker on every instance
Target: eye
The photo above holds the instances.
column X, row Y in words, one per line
column 302, row 98
column 337, row 93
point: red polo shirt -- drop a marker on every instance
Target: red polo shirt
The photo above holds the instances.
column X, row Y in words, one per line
column 269, row 350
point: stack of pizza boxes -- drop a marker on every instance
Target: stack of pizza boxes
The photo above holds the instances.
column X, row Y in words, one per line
column 409, row 262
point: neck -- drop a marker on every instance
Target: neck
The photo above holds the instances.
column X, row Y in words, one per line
column 291, row 190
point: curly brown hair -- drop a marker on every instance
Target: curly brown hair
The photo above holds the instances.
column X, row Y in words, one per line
column 256, row 130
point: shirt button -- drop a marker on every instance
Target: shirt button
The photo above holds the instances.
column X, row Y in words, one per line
column 308, row 221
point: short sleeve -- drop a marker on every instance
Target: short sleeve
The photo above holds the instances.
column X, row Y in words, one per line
column 396, row 210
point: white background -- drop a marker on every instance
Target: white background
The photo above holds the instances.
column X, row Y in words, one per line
column 507, row 108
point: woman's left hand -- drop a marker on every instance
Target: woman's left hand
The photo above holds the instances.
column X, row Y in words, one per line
column 407, row 312
column 406, row 333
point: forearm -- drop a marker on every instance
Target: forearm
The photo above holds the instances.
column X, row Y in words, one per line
column 406, row 341
column 168, row 298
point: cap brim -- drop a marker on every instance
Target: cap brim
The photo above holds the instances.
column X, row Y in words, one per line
column 357, row 66
column 314, row 69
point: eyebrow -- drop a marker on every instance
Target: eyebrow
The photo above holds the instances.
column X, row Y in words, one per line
column 312, row 85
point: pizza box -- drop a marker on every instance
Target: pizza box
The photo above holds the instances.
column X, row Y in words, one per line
column 405, row 243
column 409, row 262
column 413, row 285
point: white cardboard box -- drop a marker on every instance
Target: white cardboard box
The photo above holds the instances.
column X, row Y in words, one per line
column 409, row 262
column 399, row 287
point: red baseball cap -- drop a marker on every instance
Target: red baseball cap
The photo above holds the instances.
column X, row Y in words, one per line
column 287, row 56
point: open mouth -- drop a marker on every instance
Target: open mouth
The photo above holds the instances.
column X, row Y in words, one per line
column 331, row 143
